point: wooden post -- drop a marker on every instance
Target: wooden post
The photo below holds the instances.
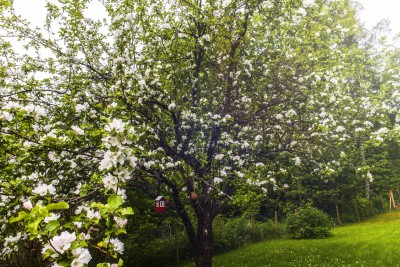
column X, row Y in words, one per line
column 358, row 215
column 276, row 222
column 398, row 192
column 338, row 215
column 391, row 198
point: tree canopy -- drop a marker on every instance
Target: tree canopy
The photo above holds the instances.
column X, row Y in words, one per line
column 230, row 100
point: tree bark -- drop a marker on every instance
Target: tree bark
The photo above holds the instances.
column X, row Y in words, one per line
column 204, row 241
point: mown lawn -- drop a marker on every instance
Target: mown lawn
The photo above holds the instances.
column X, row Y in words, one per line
column 375, row 242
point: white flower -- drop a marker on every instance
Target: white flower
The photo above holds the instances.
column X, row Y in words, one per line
column 53, row 157
column 368, row 124
column 6, row 115
column 120, row 222
column 297, row 161
column 258, row 138
column 78, row 130
column 29, row 108
column 383, row 130
column 340, row 129
column 117, row 245
column 302, row 11
column 106, row 162
column 27, row 205
column 81, row 257
column 62, row 242
column 225, row 3
column 93, row 214
column 52, row 217
column 217, row 180
column 171, row 106
column 78, row 224
column 123, row 174
column 219, row 156
column 132, row 161
column 79, row 107
column 370, row 178
column 308, row 3
column 117, row 124
column 43, row 189
column 240, row 174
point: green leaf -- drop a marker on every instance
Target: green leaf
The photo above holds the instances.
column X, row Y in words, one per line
column 52, row 225
column 22, row 215
column 97, row 205
column 57, row 206
column 32, row 226
column 114, row 201
column 127, row 211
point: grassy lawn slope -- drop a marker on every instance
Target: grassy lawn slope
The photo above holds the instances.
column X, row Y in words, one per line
column 375, row 242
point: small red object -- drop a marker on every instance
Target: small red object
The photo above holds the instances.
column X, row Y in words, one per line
column 194, row 196
column 161, row 204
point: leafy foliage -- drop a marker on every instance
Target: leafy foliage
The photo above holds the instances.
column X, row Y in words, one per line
column 308, row 222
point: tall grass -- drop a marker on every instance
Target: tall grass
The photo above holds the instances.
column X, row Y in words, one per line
column 375, row 242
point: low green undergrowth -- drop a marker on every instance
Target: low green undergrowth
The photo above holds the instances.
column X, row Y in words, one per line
column 308, row 223
column 370, row 243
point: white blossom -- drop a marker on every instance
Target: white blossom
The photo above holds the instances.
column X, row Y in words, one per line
column 226, row 3
column 219, row 156
column 81, row 257
column 383, row 130
column 43, row 189
column 117, row 124
column 217, row 180
column 52, row 217
column 297, row 161
column 117, row 245
column 340, row 129
column 106, row 162
column 27, row 205
column 78, row 130
column 79, row 108
column 171, row 106
column 308, row 3
column 370, row 178
column 93, row 214
column 6, row 116
column 62, row 242
column 120, row 221
column 110, row 182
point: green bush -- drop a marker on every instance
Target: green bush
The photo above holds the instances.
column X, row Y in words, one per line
column 308, row 222
column 233, row 233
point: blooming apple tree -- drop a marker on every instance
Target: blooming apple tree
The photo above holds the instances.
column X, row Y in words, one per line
column 199, row 100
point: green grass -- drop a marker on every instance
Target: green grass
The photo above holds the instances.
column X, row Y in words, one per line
column 375, row 242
